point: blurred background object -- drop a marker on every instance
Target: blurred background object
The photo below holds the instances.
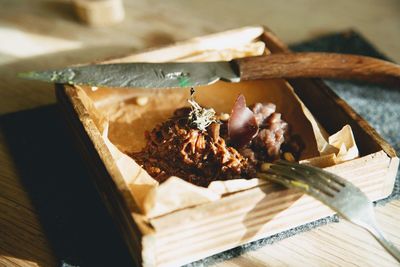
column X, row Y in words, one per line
column 99, row 12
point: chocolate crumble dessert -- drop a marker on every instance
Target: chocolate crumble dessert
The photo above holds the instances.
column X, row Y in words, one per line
column 201, row 146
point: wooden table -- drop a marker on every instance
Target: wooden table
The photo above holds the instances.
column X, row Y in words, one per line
column 39, row 171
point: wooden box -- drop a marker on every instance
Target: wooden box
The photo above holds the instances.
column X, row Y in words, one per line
column 193, row 233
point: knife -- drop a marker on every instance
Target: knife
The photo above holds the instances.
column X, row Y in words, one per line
column 183, row 74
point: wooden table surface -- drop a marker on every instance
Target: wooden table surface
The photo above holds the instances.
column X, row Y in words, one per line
column 45, row 34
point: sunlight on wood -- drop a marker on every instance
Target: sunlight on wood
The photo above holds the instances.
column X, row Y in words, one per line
column 21, row 44
column 11, row 261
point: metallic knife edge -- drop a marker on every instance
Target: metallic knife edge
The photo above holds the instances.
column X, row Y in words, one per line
column 146, row 75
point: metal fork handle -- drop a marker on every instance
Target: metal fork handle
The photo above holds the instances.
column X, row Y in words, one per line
column 372, row 227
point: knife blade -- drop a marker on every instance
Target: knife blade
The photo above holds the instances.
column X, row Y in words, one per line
column 172, row 75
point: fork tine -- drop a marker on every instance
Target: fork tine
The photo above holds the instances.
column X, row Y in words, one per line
column 302, row 172
column 297, row 182
column 318, row 184
column 289, row 183
column 298, row 179
column 313, row 169
column 331, row 178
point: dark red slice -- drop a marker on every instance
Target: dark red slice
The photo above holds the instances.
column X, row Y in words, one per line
column 242, row 124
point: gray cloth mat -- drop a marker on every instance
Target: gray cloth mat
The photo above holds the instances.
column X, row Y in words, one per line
column 380, row 106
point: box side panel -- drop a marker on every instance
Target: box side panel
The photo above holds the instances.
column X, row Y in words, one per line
column 192, row 234
column 104, row 184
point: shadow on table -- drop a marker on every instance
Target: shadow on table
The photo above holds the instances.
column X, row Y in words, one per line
column 51, row 171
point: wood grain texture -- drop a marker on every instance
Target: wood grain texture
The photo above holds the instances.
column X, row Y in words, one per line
column 22, row 239
column 44, row 34
column 319, row 65
column 336, row 244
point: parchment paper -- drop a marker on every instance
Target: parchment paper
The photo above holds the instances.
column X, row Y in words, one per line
column 123, row 124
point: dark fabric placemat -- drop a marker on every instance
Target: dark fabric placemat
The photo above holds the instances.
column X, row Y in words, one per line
column 380, row 106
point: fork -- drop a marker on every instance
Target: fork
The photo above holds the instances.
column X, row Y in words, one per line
column 337, row 193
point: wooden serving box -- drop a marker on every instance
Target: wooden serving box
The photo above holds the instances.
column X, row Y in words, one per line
column 193, row 233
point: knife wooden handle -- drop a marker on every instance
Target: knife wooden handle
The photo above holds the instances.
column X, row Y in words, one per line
column 319, row 65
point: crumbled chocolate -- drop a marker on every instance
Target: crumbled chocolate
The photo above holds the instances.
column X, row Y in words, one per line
column 200, row 157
